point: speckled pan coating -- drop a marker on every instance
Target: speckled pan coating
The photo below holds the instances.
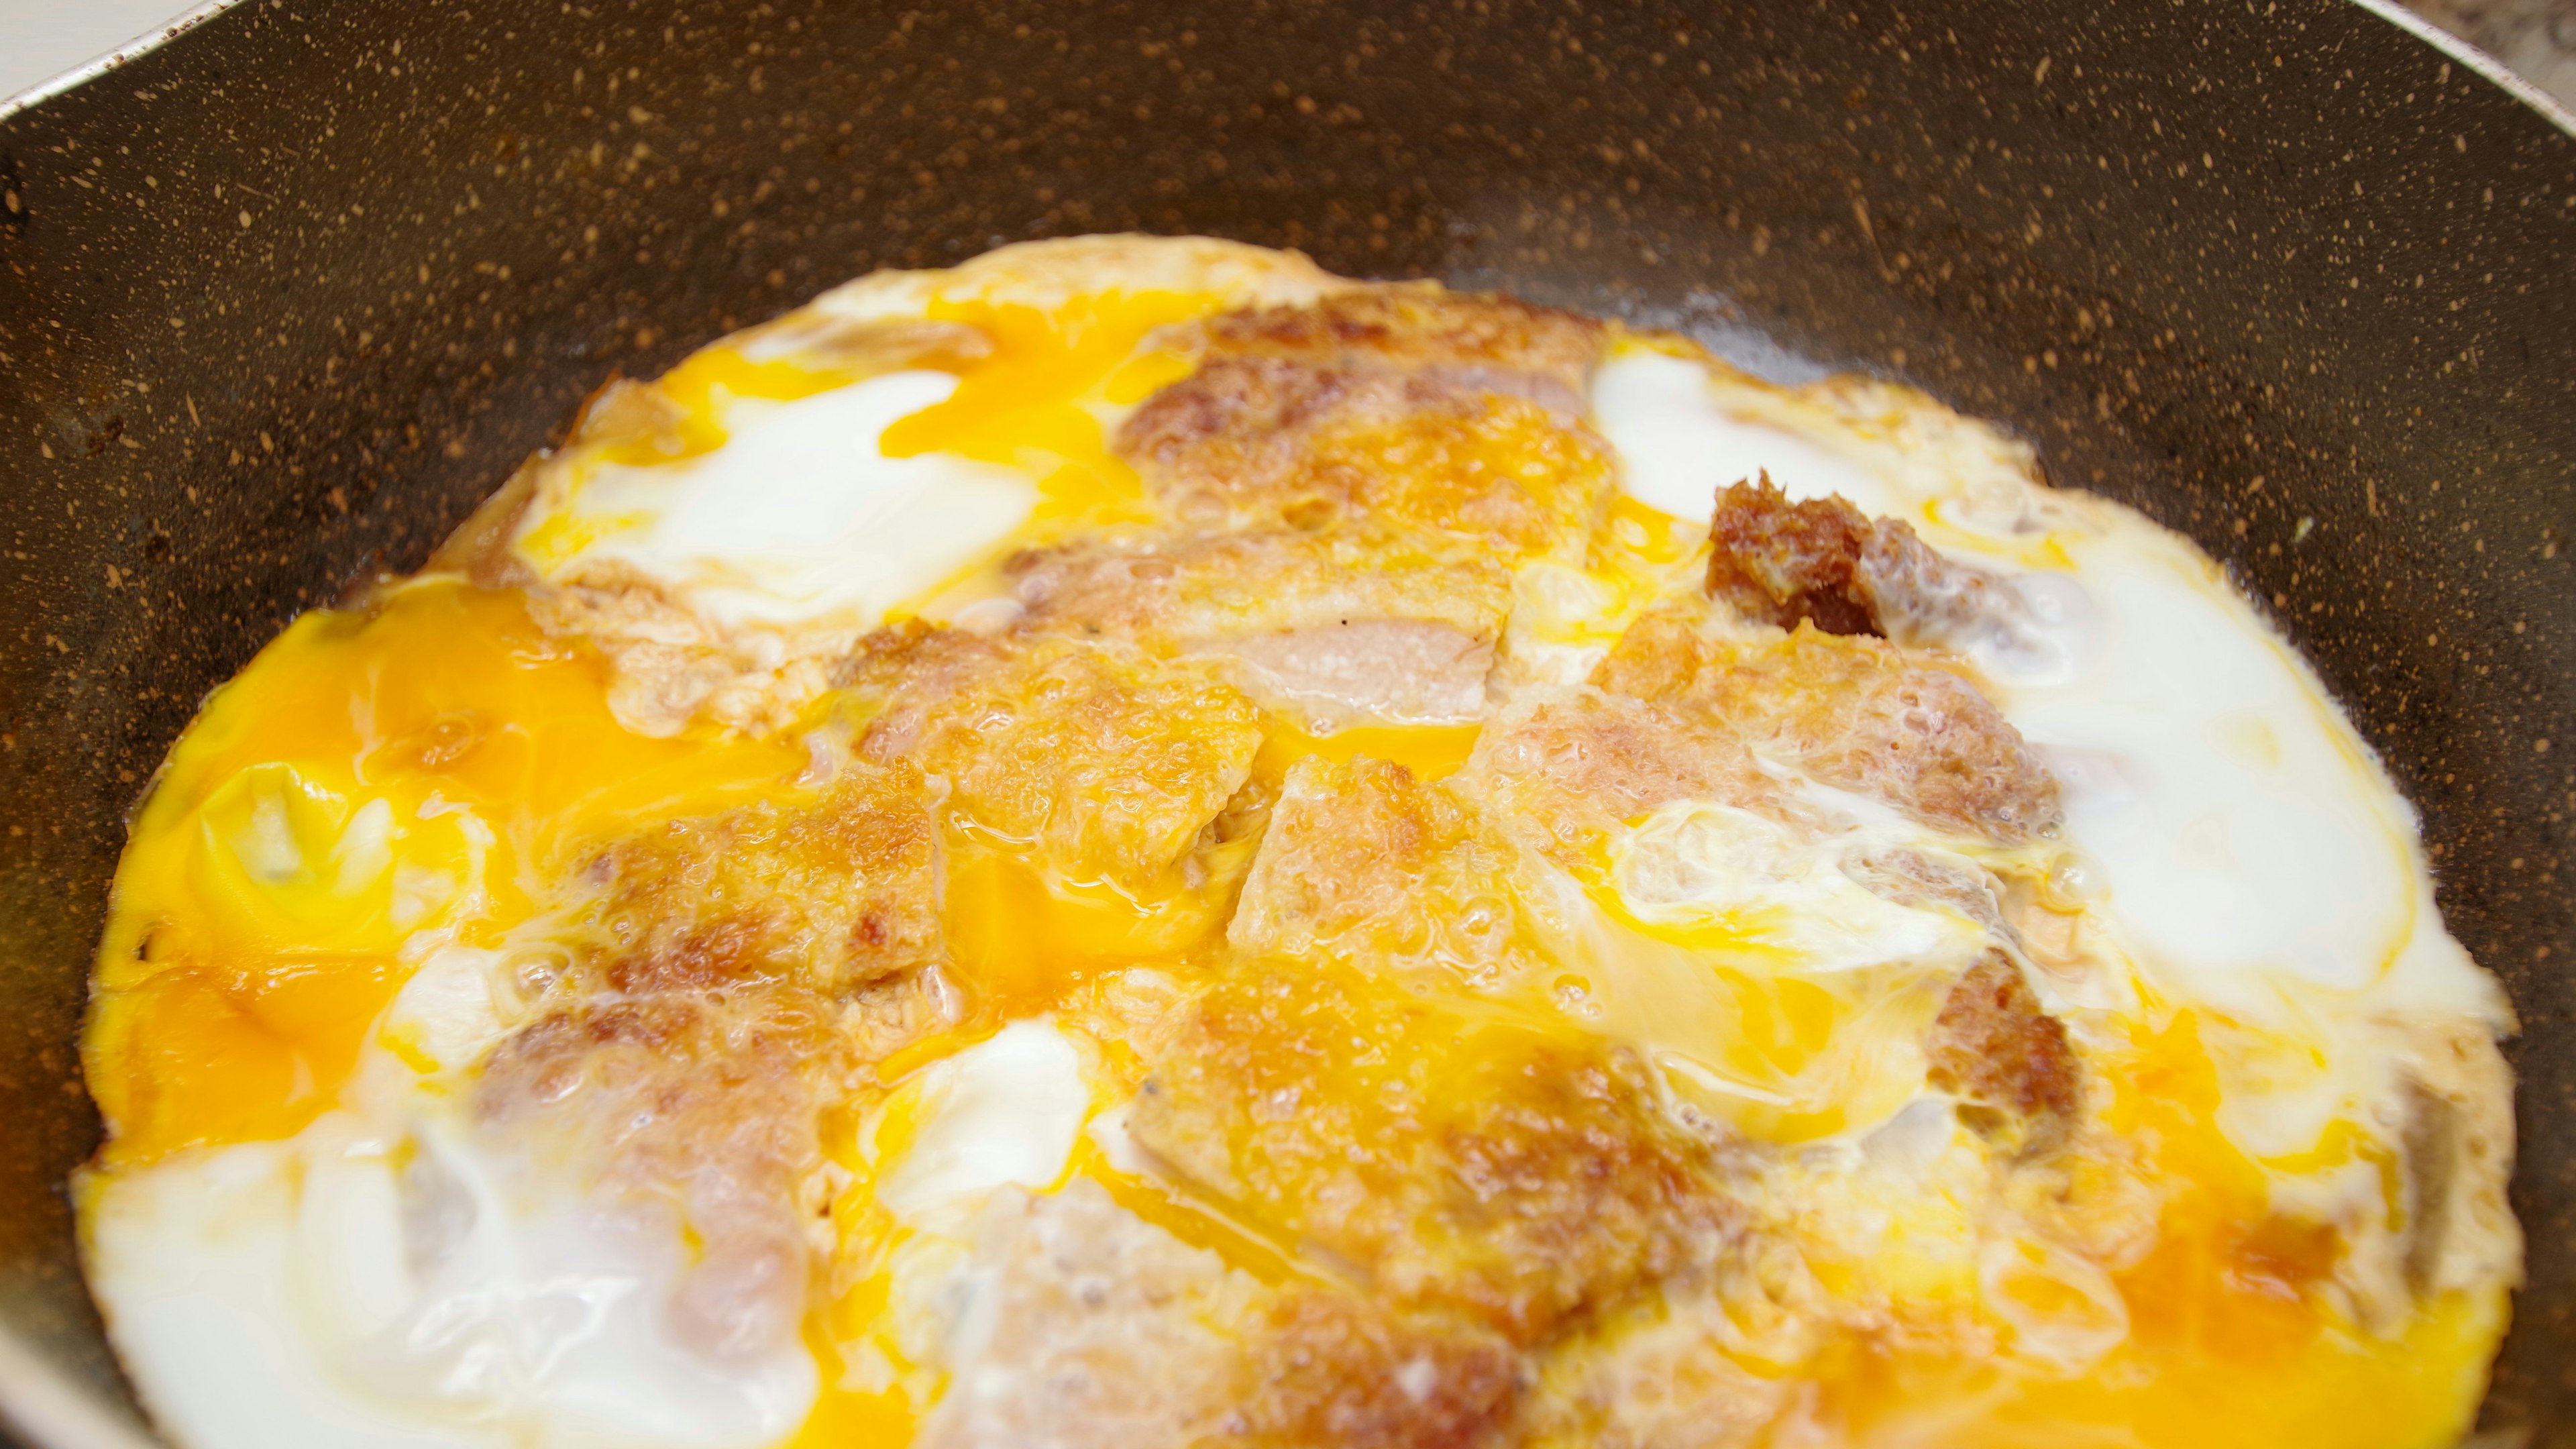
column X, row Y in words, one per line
column 282, row 298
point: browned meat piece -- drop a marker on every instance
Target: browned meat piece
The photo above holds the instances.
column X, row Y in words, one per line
column 1667, row 1380
column 691, row 1105
column 1328, row 1368
column 1825, row 563
column 1996, row 1047
column 1408, row 407
column 1105, row 1332
column 1462, row 1165
column 1099, row 755
column 1366, row 861
column 1335, row 625
column 1489, row 343
column 834, row 897
column 1573, row 769
column 1854, row 712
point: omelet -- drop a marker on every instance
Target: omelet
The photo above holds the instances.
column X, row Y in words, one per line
column 1136, row 844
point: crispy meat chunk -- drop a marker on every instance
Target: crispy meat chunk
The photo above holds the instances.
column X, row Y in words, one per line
column 1250, row 442
column 1346, row 623
column 1824, row 562
column 1407, row 406
column 1572, row 769
column 1493, row 343
column 1330, row 1368
column 1855, row 713
column 1365, row 860
column 1466, row 1166
column 1094, row 1327
column 1105, row 758
column 1996, row 1047
column 835, row 896
column 692, row 1104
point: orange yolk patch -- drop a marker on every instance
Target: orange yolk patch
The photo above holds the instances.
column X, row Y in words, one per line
column 371, row 774
column 1031, row 404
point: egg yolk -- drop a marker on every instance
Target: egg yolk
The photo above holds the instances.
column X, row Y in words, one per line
column 383, row 782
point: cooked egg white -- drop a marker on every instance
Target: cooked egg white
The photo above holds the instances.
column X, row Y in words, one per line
column 299, row 1237
column 799, row 517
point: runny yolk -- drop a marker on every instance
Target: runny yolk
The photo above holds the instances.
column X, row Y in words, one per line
column 370, row 775
column 1036, row 403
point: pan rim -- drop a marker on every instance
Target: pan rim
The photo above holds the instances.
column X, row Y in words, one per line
column 2551, row 109
column 92, row 69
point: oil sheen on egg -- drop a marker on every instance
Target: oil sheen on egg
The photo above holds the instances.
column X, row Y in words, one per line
column 307, row 1229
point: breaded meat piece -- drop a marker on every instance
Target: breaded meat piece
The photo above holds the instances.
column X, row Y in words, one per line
column 1824, row 562
column 1411, row 408
column 1100, row 756
column 697, row 1105
column 1521, row 1179
column 1365, row 860
column 1328, row 1367
column 1486, row 342
column 1856, row 713
column 834, row 896
column 1572, row 769
column 1092, row 1327
column 1996, row 1048
column 1340, row 625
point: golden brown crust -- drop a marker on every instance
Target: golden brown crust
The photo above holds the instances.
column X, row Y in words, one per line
column 1100, row 1329
column 1574, row 768
column 1781, row 563
column 1521, row 1181
column 1410, row 407
column 1490, row 341
column 1100, row 755
column 835, row 896
column 1368, row 861
column 1997, row 1048
column 1856, row 713
column 1332, row 625
column 1328, row 1368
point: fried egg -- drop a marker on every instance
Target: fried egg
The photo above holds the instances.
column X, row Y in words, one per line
column 1135, row 844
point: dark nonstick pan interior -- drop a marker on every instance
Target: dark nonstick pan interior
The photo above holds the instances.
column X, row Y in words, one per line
column 283, row 297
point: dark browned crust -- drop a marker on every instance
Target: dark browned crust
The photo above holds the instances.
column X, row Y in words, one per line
column 1825, row 563
column 1995, row 1047
column 1786, row 564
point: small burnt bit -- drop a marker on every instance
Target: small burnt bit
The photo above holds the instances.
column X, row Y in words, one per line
column 1823, row 562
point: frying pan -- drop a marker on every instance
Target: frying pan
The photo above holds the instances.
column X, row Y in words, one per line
column 283, row 296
